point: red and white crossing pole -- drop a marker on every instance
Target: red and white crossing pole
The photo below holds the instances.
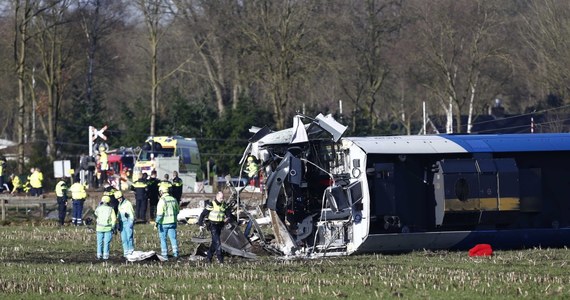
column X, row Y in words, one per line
column 531, row 124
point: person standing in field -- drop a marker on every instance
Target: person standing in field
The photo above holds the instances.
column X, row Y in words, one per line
column 106, row 221
column 127, row 219
column 61, row 196
column 152, row 193
column 78, row 196
column 217, row 213
column 176, row 187
column 140, row 187
column 166, row 218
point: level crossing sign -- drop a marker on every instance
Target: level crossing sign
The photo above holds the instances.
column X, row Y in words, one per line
column 97, row 133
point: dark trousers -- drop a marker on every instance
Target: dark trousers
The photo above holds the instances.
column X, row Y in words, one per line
column 153, row 211
column 61, row 209
column 216, row 244
column 141, row 209
column 36, row 191
column 177, row 194
column 77, row 218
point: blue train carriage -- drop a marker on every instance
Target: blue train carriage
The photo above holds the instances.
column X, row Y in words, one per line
column 329, row 195
column 454, row 191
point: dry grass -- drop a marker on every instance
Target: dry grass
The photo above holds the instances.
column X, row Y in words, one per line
column 44, row 260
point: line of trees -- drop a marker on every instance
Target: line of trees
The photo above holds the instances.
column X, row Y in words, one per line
column 212, row 68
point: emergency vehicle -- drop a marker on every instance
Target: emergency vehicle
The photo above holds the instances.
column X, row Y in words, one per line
column 167, row 154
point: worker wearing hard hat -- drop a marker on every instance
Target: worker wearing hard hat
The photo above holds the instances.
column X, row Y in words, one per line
column 166, row 217
column 127, row 219
column 106, row 221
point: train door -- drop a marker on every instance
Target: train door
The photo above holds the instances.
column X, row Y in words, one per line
column 383, row 198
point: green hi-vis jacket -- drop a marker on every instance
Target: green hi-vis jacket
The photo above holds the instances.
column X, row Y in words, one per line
column 106, row 218
column 167, row 210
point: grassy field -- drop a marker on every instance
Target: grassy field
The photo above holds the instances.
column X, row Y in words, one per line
column 41, row 259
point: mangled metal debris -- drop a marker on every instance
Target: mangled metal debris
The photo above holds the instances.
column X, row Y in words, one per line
column 302, row 192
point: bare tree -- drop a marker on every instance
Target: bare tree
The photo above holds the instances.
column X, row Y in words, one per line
column 158, row 15
column 51, row 30
column 213, row 33
column 365, row 68
column 24, row 11
column 282, row 41
column 459, row 40
column 544, row 30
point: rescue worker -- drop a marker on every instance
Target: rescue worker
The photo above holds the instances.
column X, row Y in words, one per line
column 61, row 196
column 127, row 221
column 252, row 170
column 139, row 187
column 109, row 190
column 106, row 221
column 78, row 196
column 16, row 184
column 166, row 217
column 36, row 181
column 103, row 164
column 218, row 214
column 176, row 187
column 152, row 193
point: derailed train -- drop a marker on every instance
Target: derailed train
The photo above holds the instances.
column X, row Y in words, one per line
column 333, row 195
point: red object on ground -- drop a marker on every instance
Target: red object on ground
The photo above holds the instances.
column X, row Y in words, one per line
column 481, row 250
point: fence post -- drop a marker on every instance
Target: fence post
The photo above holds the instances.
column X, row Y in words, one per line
column 3, row 201
column 42, row 210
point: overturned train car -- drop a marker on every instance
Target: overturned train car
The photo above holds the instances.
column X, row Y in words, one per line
column 328, row 195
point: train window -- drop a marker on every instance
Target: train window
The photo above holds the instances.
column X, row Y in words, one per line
column 185, row 153
column 462, row 189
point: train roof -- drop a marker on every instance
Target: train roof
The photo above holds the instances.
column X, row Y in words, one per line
column 451, row 143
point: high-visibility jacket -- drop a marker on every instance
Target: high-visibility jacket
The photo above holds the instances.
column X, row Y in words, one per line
column 61, row 189
column 252, row 169
column 103, row 161
column 139, row 187
column 36, row 179
column 176, row 182
column 106, row 218
column 126, row 209
column 217, row 211
column 167, row 210
column 1, row 167
column 78, row 191
column 16, row 184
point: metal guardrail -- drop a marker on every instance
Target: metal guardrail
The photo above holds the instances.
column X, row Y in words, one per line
column 24, row 202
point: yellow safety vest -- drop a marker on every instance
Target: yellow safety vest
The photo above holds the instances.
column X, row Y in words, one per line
column 106, row 218
column 104, row 161
column 252, row 169
column 36, row 179
column 126, row 207
column 217, row 212
column 167, row 208
column 16, row 183
column 60, row 188
column 78, row 191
